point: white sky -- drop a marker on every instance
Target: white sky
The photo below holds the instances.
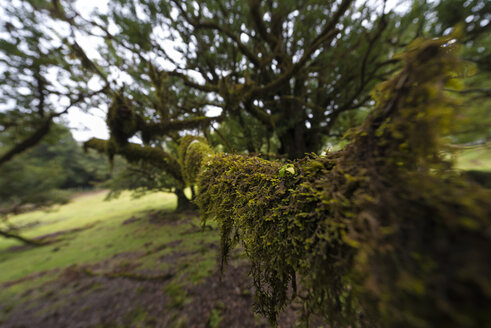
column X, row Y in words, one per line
column 93, row 124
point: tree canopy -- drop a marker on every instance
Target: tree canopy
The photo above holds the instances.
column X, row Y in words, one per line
column 382, row 232
column 286, row 75
column 39, row 81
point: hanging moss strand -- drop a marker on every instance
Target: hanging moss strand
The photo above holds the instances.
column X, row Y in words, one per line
column 380, row 234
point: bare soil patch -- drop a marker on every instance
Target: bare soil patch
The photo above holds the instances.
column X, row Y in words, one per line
column 81, row 300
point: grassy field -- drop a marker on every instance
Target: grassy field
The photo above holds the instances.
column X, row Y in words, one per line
column 98, row 233
column 137, row 239
column 123, row 263
column 474, row 158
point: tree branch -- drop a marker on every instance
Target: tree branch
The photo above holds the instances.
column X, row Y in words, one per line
column 326, row 35
column 29, row 142
column 134, row 152
column 24, row 240
column 214, row 26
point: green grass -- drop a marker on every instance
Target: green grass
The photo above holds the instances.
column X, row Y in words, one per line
column 474, row 158
column 177, row 295
column 214, row 319
column 105, row 237
column 176, row 243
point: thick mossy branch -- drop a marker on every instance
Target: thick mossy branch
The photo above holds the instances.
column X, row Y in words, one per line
column 134, row 153
column 381, row 233
column 124, row 121
column 192, row 152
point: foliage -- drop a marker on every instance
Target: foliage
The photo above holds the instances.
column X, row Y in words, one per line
column 35, row 57
column 367, row 230
column 296, row 72
column 381, row 233
column 28, row 182
column 39, row 176
column 133, row 153
column 292, row 68
column 140, row 178
column 471, row 16
column 145, row 164
column 243, row 133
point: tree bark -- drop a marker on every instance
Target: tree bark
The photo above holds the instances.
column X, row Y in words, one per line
column 193, row 192
column 292, row 143
column 183, row 203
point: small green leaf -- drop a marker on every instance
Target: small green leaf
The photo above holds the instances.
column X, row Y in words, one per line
column 290, row 169
column 286, row 168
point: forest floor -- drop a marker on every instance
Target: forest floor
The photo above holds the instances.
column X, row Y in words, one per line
column 123, row 263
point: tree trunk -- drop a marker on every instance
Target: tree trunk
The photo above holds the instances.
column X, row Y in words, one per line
column 292, row 144
column 298, row 141
column 20, row 238
column 193, row 192
column 183, row 203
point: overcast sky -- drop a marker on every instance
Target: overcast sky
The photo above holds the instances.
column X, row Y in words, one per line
column 87, row 125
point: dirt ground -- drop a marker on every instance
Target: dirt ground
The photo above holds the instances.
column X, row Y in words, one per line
column 121, row 292
column 79, row 299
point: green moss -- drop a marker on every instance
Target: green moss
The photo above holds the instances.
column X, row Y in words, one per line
column 380, row 233
column 122, row 120
column 193, row 153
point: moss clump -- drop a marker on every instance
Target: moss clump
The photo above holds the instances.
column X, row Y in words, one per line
column 192, row 150
column 198, row 153
column 381, row 233
column 122, row 120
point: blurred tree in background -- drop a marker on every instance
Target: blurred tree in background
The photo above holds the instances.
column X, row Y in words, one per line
column 474, row 16
column 39, row 81
column 32, row 178
column 283, row 78
column 37, row 176
column 47, row 173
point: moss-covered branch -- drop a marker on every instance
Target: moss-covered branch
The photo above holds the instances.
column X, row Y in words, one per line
column 134, row 152
column 381, row 233
column 193, row 153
